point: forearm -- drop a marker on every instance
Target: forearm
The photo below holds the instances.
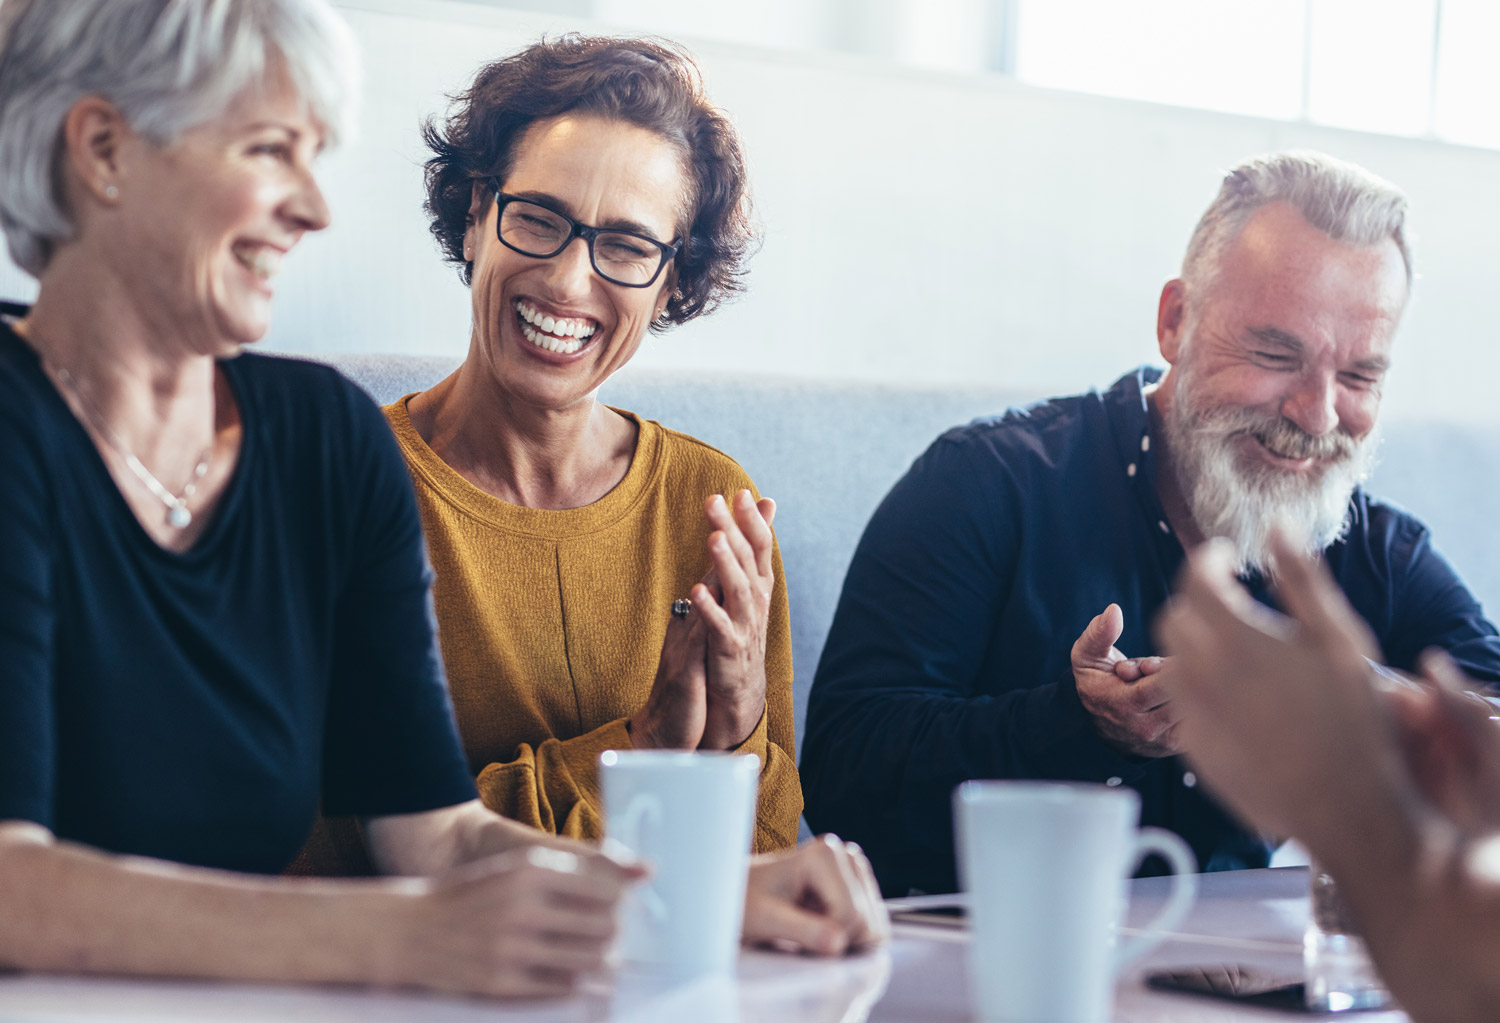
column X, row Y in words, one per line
column 73, row 909
column 436, row 841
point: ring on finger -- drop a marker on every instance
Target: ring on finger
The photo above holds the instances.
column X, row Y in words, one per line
column 681, row 607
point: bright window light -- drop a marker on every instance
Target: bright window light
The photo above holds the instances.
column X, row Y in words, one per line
column 949, row 34
column 1220, row 54
column 1468, row 80
column 1370, row 65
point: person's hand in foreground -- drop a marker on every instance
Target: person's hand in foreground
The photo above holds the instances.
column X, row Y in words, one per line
column 1451, row 743
column 1277, row 712
column 819, row 898
column 1285, row 719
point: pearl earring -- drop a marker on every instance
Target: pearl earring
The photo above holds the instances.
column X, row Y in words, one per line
column 111, row 192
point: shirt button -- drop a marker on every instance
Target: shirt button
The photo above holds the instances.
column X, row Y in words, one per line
column 1164, row 527
column 1130, row 469
column 1113, row 782
column 1146, row 442
column 1189, row 779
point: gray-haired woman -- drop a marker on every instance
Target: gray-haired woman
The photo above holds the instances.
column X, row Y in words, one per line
column 213, row 597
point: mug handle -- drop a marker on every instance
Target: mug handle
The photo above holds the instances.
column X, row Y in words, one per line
column 1184, row 889
column 644, row 808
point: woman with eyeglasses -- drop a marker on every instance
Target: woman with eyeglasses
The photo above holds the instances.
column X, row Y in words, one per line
column 603, row 582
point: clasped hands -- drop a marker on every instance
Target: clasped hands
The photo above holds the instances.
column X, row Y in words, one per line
column 710, row 686
column 1127, row 697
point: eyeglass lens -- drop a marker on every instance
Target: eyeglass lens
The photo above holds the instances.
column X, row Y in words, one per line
column 538, row 231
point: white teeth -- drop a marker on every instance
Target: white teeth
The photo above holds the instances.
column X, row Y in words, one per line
column 554, row 334
column 261, row 260
column 552, row 344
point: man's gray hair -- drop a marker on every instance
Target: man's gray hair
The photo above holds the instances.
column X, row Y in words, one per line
column 168, row 65
column 1341, row 199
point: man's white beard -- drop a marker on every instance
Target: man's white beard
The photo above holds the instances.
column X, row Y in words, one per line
column 1244, row 503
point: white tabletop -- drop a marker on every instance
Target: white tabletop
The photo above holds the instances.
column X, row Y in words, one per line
column 1253, row 917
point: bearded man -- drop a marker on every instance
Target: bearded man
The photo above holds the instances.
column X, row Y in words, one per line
column 996, row 619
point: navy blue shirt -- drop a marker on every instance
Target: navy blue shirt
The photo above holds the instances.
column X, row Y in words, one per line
column 198, row 707
column 949, row 654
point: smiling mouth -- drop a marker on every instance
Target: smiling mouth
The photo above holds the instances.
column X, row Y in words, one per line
column 261, row 260
column 563, row 336
column 1285, row 456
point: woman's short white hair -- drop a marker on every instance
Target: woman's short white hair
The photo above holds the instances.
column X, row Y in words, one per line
column 168, row 65
column 1341, row 199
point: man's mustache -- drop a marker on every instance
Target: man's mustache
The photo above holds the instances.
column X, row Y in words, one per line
column 1284, row 437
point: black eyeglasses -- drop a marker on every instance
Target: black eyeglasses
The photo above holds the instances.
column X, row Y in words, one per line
column 621, row 257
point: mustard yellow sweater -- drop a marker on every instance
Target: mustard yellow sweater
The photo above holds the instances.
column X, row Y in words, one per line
column 551, row 624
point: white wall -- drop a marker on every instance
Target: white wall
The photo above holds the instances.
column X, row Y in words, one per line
column 1047, row 223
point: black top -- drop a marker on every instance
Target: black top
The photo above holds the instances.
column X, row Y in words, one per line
column 949, row 655
column 198, row 706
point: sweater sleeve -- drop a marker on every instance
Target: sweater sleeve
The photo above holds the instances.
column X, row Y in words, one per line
column 554, row 785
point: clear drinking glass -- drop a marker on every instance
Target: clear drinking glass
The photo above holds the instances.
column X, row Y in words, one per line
column 1340, row 976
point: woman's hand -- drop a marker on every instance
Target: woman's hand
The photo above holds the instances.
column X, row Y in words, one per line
column 676, row 710
column 734, row 604
column 525, row 924
column 820, row 898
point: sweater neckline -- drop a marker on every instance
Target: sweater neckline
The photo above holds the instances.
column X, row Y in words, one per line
column 546, row 523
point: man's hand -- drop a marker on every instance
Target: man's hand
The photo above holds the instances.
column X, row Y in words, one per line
column 819, row 898
column 1127, row 698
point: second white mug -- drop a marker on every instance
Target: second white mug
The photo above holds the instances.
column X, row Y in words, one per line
column 1045, row 865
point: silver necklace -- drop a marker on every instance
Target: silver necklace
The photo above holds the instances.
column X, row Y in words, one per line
column 178, row 515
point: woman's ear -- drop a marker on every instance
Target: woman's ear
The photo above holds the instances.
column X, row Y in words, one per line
column 479, row 199
column 95, row 137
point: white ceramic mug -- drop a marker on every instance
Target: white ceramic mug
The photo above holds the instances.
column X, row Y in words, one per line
column 1045, row 865
column 692, row 817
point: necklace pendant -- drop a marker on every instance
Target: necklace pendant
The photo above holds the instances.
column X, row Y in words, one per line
column 179, row 517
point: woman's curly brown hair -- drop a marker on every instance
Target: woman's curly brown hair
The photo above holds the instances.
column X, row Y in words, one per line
column 645, row 82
